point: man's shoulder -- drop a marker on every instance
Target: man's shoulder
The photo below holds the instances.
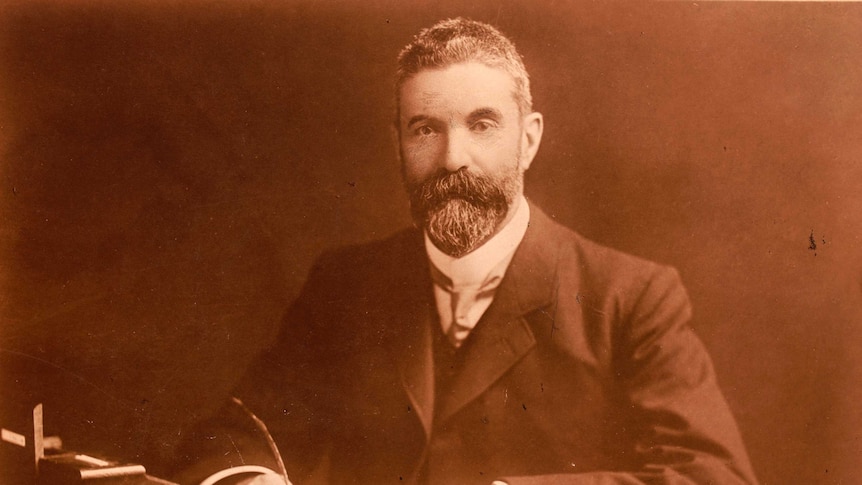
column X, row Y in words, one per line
column 574, row 248
column 597, row 257
column 354, row 264
column 593, row 266
column 400, row 244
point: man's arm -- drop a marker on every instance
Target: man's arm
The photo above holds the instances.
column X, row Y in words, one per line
column 287, row 388
column 231, row 448
column 685, row 432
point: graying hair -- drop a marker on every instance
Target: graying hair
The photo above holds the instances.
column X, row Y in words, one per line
column 462, row 40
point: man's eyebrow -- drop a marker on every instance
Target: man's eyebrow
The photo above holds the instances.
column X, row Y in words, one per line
column 416, row 119
column 476, row 114
column 486, row 113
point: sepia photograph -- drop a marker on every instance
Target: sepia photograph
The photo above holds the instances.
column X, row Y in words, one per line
column 460, row 242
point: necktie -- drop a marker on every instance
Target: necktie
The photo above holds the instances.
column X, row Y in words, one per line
column 462, row 301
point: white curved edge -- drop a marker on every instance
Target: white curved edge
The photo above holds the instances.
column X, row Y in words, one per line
column 229, row 472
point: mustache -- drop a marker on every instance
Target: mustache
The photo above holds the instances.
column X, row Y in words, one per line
column 472, row 188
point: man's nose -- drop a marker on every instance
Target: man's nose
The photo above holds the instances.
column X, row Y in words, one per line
column 457, row 154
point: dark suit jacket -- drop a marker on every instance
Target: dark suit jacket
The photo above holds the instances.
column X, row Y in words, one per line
column 583, row 370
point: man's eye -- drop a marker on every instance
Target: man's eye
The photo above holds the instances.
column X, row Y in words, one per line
column 482, row 126
column 425, row 130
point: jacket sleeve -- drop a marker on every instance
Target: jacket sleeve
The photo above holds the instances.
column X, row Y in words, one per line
column 685, row 432
column 226, row 448
column 289, row 388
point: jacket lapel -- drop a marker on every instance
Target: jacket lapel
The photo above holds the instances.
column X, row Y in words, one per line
column 502, row 336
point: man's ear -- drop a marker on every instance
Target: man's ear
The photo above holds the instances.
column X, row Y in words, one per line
column 531, row 138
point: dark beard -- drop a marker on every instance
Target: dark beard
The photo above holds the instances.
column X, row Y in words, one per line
column 460, row 210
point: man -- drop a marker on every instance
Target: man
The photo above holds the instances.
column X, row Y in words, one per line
column 488, row 343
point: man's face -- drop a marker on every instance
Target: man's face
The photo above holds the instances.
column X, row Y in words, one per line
column 464, row 148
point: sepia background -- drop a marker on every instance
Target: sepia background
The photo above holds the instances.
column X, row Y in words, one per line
column 169, row 170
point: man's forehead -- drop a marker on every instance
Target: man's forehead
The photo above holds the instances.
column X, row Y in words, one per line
column 459, row 86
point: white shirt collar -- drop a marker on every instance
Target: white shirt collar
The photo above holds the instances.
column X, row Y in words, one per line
column 473, row 268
